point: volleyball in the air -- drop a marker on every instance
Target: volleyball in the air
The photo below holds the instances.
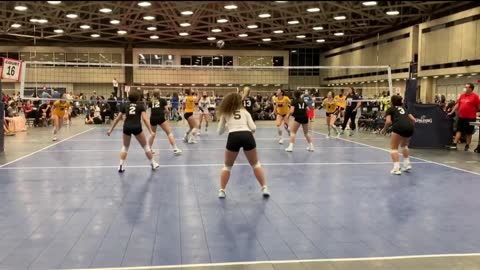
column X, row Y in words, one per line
column 220, row 44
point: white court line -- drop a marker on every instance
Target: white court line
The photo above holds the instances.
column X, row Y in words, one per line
column 387, row 150
column 200, row 139
column 44, row 148
column 196, row 149
column 288, row 261
column 206, row 165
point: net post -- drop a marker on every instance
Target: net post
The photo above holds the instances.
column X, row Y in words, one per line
column 22, row 80
column 390, row 84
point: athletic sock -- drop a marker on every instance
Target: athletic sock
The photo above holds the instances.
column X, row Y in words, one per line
column 122, row 162
column 396, row 166
column 406, row 160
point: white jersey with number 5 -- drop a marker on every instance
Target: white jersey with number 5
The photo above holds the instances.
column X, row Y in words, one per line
column 240, row 120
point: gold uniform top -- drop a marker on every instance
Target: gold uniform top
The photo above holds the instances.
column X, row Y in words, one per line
column 60, row 108
column 341, row 101
column 330, row 105
column 189, row 104
column 282, row 105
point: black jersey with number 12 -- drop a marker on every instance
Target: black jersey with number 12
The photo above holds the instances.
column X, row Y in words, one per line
column 249, row 104
column 133, row 115
column 158, row 108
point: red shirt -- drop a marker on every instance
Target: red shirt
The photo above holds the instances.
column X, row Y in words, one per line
column 468, row 105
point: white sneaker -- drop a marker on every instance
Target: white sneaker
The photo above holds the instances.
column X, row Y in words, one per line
column 221, row 194
column 310, row 149
column 121, row 168
column 289, row 148
column 155, row 166
column 328, row 137
column 396, row 172
column 177, row 151
column 407, row 167
column 280, row 141
column 265, row 192
column 191, row 140
column 185, row 138
column 54, row 139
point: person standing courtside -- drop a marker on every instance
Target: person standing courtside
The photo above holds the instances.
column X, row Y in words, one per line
column 468, row 104
column 115, row 86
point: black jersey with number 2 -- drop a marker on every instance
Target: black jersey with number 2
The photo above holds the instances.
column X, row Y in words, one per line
column 158, row 108
column 249, row 104
column 133, row 115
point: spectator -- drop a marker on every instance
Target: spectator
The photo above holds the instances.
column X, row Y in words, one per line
column 46, row 111
column 115, row 86
column 467, row 106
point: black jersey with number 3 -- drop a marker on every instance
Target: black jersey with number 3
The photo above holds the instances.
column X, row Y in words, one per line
column 249, row 104
column 158, row 108
column 399, row 117
column 133, row 115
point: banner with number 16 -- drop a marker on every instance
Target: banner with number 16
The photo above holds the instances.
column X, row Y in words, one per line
column 11, row 69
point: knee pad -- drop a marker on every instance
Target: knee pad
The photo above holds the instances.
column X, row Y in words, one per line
column 257, row 165
column 124, row 149
column 147, row 148
column 227, row 168
column 394, row 151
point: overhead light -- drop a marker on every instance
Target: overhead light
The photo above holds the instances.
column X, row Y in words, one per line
column 397, row 80
column 320, row 40
column 446, row 76
column 95, row 35
column 42, row 21
column 181, row 84
column 58, row 31
column 217, row 84
column 20, row 8
column 205, row 84
column 54, row 2
column 154, row 37
column 230, row 7
column 216, row 30
column 293, row 22
column 85, row 26
column 151, row 28
column 121, row 32
column 185, row 24
column 72, row 16
column 252, row 26
column 16, row 25
column 149, row 18
column 301, row 36
column 473, row 74
column 281, row 2
column 230, row 84
column 115, row 22
column 339, row 34
column 340, row 18
column 264, row 15
column 392, row 12
column 313, row 9
column 243, row 35
column 211, row 38
column 294, row 51
column 425, row 78
column 105, row 10
column 435, row 77
column 278, row 31
column 144, row 4
column 317, row 28
column 183, row 34
column 369, row 3
column 266, row 39
column 186, row 12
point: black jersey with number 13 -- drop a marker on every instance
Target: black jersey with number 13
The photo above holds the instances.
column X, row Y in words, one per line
column 133, row 115
column 249, row 104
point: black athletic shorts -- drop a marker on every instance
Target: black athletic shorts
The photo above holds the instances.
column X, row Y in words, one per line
column 241, row 139
column 132, row 131
column 301, row 120
column 464, row 126
column 403, row 131
column 328, row 113
column 187, row 115
column 157, row 121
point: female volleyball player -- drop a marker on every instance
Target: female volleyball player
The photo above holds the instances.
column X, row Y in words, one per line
column 190, row 101
column 240, row 135
column 135, row 113
column 331, row 108
column 280, row 106
column 157, row 118
column 249, row 103
column 298, row 110
column 350, row 110
column 203, row 105
column 60, row 108
column 341, row 103
column 402, row 129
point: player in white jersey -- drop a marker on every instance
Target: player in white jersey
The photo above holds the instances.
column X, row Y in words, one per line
column 203, row 105
column 240, row 127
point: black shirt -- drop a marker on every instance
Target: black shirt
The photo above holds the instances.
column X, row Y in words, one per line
column 249, row 104
column 352, row 105
column 158, row 108
column 133, row 113
column 399, row 116
column 301, row 108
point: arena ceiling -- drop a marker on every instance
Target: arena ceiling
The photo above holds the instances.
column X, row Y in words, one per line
column 265, row 24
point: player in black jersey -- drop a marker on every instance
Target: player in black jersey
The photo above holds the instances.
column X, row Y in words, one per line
column 249, row 103
column 402, row 129
column 157, row 118
column 299, row 110
column 135, row 113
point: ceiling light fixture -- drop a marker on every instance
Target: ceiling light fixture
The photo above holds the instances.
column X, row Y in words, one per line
column 185, row 24
column 435, row 77
column 54, row 2
column 85, row 26
column 186, row 12
column 115, row 22
column 183, row 34
column 20, row 8
column 473, row 74
column 58, row 31
column 95, row 35
column 266, row 39
column 252, row 26
column 144, row 4
column 105, row 10
column 151, row 28
column 121, row 32
column 243, row 35
column 222, row 20
column 149, row 18
column 338, row 34
column 393, row 12
column 230, row 7
column 211, row 38
column 42, row 21
column 16, row 25
column 72, row 16
column 340, row 18
column 446, row 76
column 264, row 15
column 293, row 22
column 320, row 40
column 369, row 3
column 34, row 20
column 301, row 36
column 317, row 28
column 459, row 75
column 313, row 9
column 216, row 30
column 278, row 31
column 154, row 37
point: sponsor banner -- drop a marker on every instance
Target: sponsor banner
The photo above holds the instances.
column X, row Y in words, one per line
column 433, row 128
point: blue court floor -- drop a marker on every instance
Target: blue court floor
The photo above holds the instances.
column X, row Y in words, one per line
column 67, row 207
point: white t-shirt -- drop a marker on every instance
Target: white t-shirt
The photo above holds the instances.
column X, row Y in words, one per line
column 204, row 103
column 115, row 83
column 241, row 120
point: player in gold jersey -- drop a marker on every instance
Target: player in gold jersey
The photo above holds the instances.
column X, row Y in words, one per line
column 190, row 101
column 281, row 107
column 60, row 108
column 331, row 108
